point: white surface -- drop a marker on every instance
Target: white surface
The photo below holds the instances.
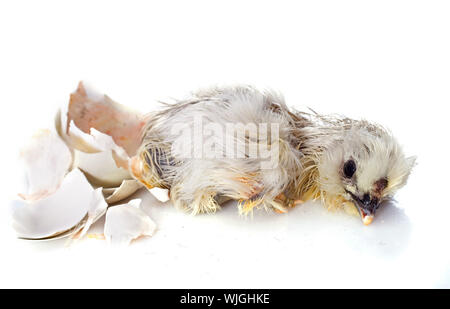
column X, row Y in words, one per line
column 386, row 61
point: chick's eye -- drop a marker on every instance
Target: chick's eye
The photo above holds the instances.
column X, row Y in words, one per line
column 349, row 168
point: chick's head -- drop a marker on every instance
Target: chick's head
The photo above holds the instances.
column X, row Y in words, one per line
column 365, row 166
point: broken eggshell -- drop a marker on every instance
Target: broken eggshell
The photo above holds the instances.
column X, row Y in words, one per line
column 127, row 222
column 96, row 136
column 88, row 109
column 126, row 189
column 109, row 166
column 47, row 209
column 96, row 154
column 96, row 211
column 93, row 148
column 45, row 161
column 160, row 194
column 60, row 214
column 102, row 133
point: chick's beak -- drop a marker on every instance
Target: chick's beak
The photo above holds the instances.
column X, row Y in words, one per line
column 367, row 217
column 366, row 206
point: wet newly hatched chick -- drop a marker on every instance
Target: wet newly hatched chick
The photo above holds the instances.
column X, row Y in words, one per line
column 243, row 144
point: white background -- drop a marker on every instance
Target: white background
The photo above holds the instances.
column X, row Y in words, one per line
column 387, row 61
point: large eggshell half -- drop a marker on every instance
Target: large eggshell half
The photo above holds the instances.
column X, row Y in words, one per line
column 62, row 213
column 127, row 222
column 96, row 154
column 97, row 129
column 87, row 109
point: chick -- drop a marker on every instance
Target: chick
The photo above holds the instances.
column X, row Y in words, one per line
column 244, row 144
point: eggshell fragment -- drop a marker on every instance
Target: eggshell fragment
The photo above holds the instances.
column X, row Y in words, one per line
column 96, row 210
column 126, row 189
column 97, row 136
column 161, row 195
column 98, row 129
column 46, row 160
column 88, row 109
column 101, row 168
column 96, row 154
column 62, row 213
column 127, row 222
column 74, row 137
